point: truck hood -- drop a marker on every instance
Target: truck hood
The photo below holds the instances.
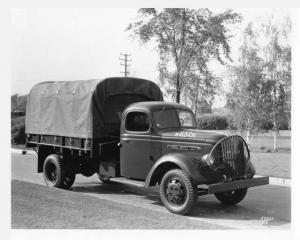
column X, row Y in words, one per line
column 192, row 135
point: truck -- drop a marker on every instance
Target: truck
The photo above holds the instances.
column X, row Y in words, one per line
column 122, row 130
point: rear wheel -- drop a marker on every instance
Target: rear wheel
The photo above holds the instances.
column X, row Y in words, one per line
column 232, row 197
column 177, row 192
column 55, row 175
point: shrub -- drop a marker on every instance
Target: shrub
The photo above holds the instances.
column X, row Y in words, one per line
column 212, row 122
column 18, row 135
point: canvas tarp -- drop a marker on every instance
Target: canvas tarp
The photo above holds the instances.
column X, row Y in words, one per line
column 84, row 109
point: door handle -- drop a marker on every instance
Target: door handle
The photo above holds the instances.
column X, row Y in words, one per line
column 127, row 141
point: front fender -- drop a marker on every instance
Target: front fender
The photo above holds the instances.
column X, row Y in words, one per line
column 185, row 161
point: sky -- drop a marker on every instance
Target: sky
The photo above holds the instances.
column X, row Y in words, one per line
column 79, row 44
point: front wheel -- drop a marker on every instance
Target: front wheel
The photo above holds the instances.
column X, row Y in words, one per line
column 232, row 197
column 177, row 192
column 103, row 179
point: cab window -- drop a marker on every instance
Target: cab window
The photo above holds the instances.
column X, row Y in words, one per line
column 186, row 118
column 137, row 122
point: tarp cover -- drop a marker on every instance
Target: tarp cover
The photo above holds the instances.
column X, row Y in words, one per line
column 84, row 109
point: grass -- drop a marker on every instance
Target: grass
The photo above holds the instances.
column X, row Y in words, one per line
column 272, row 164
column 21, row 147
column 265, row 143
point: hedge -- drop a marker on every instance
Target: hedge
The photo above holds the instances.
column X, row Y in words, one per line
column 212, row 122
column 18, row 135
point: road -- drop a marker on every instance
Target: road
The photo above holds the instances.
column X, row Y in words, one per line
column 91, row 204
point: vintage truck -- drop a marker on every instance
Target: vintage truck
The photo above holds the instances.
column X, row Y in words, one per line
column 120, row 129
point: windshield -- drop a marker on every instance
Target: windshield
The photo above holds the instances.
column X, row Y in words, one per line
column 174, row 118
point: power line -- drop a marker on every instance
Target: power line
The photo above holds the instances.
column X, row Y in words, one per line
column 124, row 62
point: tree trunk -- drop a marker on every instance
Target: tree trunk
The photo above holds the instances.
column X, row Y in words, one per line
column 275, row 149
column 248, row 137
column 178, row 87
column 196, row 98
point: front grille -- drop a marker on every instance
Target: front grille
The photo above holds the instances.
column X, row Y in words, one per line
column 230, row 156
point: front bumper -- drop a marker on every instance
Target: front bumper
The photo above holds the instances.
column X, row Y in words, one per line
column 204, row 189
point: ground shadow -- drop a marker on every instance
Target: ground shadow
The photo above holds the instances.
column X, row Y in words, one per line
column 207, row 206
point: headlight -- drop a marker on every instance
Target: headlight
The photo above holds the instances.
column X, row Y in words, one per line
column 209, row 160
column 205, row 157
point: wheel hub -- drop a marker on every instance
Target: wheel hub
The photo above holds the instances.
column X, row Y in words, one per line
column 51, row 173
column 229, row 193
column 175, row 192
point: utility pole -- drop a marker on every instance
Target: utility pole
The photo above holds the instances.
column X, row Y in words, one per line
column 124, row 62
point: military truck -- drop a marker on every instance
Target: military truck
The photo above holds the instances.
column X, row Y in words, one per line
column 120, row 129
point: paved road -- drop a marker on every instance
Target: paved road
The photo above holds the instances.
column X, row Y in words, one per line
column 264, row 207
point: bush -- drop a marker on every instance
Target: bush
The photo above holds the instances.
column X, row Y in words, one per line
column 212, row 122
column 18, row 135
column 266, row 126
column 284, row 125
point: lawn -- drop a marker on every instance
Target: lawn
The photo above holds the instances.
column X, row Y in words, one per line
column 272, row 164
column 265, row 143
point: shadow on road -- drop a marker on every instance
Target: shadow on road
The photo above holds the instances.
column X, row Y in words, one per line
column 271, row 203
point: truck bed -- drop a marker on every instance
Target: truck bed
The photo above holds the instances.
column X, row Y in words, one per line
column 34, row 140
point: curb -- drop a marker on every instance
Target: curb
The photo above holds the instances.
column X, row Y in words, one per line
column 278, row 181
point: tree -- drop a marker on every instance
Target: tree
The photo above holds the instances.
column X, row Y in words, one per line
column 277, row 71
column 182, row 36
column 245, row 99
column 201, row 88
column 261, row 81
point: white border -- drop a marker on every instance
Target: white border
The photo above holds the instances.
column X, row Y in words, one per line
column 102, row 234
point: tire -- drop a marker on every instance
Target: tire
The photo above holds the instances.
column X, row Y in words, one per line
column 232, row 197
column 55, row 175
column 177, row 192
column 69, row 180
column 103, row 179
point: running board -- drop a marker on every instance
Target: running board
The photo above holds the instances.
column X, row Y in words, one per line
column 127, row 181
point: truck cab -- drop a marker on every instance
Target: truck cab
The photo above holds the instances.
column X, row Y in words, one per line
column 150, row 130
column 161, row 145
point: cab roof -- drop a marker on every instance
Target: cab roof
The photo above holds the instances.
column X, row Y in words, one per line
column 153, row 105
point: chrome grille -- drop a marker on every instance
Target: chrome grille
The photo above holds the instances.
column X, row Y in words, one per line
column 231, row 154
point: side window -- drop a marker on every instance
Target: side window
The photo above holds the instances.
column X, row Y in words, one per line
column 137, row 121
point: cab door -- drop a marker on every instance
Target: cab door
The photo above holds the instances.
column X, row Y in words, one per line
column 136, row 157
